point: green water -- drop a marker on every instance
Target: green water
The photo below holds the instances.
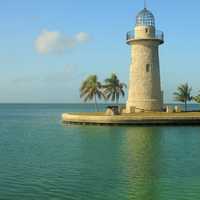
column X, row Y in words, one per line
column 40, row 158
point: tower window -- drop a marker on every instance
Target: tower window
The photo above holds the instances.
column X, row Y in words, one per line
column 146, row 30
column 147, row 67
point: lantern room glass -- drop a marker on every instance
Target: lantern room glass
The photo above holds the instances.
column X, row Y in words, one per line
column 145, row 18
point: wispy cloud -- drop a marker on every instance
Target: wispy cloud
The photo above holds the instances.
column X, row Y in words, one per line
column 26, row 79
column 61, row 76
column 64, row 74
column 57, row 42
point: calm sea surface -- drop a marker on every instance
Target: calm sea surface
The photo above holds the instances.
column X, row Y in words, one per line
column 40, row 158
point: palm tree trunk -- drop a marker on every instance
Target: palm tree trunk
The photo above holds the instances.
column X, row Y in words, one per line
column 95, row 102
column 117, row 102
column 117, row 99
column 185, row 106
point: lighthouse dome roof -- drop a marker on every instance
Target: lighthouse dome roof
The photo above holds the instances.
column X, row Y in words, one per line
column 145, row 18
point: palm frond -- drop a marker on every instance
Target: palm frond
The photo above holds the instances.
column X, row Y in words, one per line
column 183, row 93
column 113, row 88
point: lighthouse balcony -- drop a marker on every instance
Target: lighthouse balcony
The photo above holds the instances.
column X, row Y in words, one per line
column 159, row 35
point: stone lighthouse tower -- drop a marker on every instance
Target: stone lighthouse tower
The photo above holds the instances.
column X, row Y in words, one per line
column 144, row 84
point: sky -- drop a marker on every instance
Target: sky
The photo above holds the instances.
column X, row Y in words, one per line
column 49, row 47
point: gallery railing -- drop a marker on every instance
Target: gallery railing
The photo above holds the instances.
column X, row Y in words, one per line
column 158, row 35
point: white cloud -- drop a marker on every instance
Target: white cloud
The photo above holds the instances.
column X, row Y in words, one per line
column 57, row 42
column 82, row 37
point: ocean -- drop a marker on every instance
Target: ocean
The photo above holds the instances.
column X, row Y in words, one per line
column 41, row 158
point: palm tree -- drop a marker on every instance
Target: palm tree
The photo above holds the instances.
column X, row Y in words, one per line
column 183, row 94
column 197, row 99
column 91, row 89
column 113, row 88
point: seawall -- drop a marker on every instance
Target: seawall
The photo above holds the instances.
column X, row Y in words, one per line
column 190, row 118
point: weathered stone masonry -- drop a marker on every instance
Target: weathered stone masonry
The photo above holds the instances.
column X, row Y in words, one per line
column 144, row 83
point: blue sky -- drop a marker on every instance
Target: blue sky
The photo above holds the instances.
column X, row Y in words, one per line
column 36, row 66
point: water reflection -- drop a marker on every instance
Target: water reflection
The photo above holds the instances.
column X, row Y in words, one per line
column 143, row 147
column 119, row 160
column 134, row 162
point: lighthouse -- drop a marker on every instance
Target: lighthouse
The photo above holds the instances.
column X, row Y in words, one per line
column 144, row 93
